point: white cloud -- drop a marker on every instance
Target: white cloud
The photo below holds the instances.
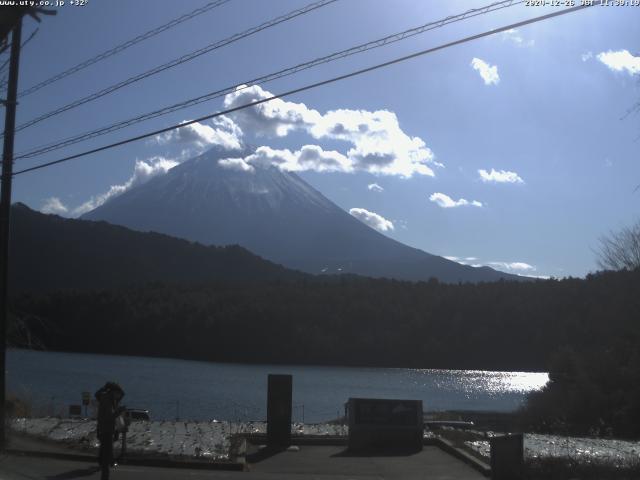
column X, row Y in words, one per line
column 54, row 205
column 224, row 132
column 372, row 219
column 463, row 261
column 238, row 164
column 620, row 60
column 143, row 171
column 513, row 266
column 488, row 73
column 446, row 201
column 586, row 56
column 521, row 269
column 379, row 145
column 514, row 36
column 374, row 187
column 274, row 118
column 500, row 176
column 309, row 157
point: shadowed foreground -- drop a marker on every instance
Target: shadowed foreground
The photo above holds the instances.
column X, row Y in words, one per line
column 309, row 462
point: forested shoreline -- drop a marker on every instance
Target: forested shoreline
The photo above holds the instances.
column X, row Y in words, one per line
column 585, row 332
column 344, row 321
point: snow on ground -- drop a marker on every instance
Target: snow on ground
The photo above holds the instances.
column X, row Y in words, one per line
column 619, row 452
column 210, row 440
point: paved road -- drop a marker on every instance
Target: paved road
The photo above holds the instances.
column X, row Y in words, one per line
column 31, row 468
column 336, row 462
column 42, row 469
column 319, row 463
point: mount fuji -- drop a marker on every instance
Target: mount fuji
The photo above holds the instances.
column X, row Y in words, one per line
column 276, row 215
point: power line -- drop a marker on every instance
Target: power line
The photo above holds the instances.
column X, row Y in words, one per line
column 310, row 86
column 389, row 39
column 4, row 81
column 178, row 61
column 270, row 77
column 123, row 46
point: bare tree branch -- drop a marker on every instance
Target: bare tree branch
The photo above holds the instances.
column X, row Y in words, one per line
column 620, row 250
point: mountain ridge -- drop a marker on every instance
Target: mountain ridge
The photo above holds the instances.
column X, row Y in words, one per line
column 276, row 215
column 49, row 252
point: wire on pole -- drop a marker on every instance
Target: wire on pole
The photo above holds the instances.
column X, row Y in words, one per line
column 5, row 213
column 309, row 87
column 178, row 61
column 378, row 43
column 123, row 46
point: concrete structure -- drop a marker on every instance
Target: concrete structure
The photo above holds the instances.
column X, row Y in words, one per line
column 279, row 403
column 383, row 424
column 507, row 457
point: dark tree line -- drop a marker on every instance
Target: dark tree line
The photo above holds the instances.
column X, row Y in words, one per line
column 586, row 332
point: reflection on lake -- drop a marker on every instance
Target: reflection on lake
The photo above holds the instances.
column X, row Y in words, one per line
column 172, row 388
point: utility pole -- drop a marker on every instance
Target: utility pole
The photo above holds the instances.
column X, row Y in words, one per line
column 5, row 214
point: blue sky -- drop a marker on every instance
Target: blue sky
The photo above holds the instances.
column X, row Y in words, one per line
column 509, row 151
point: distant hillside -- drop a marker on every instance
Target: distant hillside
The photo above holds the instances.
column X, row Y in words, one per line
column 51, row 252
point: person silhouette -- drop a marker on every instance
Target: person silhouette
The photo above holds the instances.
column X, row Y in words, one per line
column 108, row 397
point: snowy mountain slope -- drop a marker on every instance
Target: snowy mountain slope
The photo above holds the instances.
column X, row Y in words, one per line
column 274, row 214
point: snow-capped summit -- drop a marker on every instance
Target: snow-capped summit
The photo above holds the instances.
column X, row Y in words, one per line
column 276, row 214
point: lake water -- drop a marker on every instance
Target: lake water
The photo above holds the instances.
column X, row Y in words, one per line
column 185, row 389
